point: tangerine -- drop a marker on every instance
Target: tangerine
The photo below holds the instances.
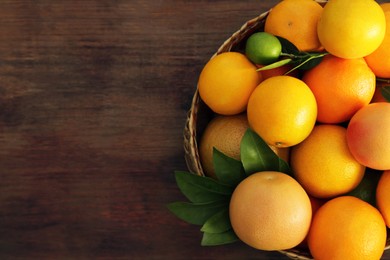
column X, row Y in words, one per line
column 341, row 87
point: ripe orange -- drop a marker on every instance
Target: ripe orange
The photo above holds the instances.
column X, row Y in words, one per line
column 351, row 29
column 323, row 164
column 383, row 196
column 347, row 228
column 296, row 21
column 225, row 134
column 227, row 81
column 270, row 211
column 341, row 87
column 282, row 110
column 368, row 136
column 379, row 60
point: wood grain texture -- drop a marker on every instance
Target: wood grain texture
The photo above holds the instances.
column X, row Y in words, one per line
column 93, row 101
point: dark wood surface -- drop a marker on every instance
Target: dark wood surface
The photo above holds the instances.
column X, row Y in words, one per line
column 93, row 101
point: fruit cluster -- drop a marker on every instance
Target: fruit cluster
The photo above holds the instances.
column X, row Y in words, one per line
column 298, row 153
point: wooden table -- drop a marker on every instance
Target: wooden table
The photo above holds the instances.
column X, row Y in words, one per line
column 93, row 101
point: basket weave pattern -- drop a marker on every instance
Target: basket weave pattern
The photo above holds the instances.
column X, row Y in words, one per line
column 193, row 128
column 190, row 130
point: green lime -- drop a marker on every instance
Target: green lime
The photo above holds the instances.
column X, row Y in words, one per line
column 366, row 190
column 263, row 48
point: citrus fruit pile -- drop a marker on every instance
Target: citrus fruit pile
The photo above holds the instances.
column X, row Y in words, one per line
column 297, row 155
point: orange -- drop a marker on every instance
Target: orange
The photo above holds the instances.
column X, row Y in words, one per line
column 225, row 134
column 341, row 87
column 270, row 211
column 347, row 228
column 379, row 60
column 323, row 164
column 296, row 21
column 368, row 136
column 383, row 196
column 351, row 29
column 282, row 110
column 227, row 81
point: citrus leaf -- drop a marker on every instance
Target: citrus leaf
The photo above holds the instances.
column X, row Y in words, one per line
column 366, row 190
column 311, row 61
column 257, row 156
column 196, row 213
column 218, row 223
column 215, row 239
column 284, row 166
column 201, row 189
column 287, row 46
column 385, row 91
column 228, row 170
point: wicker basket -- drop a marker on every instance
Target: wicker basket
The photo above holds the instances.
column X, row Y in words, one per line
column 199, row 114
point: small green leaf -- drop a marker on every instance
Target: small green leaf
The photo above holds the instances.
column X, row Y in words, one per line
column 366, row 190
column 386, row 93
column 201, row 189
column 218, row 223
column 228, row 170
column 196, row 213
column 306, row 60
column 257, row 156
column 276, row 64
column 215, row 239
column 311, row 61
column 287, row 46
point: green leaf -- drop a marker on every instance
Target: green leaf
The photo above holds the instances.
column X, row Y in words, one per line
column 386, row 93
column 218, row 223
column 288, row 47
column 276, row 64
column 228, row 170
column 311, row 60
column 215, row 239
column 196, row 213
column 257, row 156
column 367, row 187
column 201, row 189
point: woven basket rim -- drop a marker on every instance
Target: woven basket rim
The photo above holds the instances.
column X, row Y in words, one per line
column 191, row 155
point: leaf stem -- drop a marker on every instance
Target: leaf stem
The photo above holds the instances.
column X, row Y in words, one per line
column 289, row 55
column 311, row 57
